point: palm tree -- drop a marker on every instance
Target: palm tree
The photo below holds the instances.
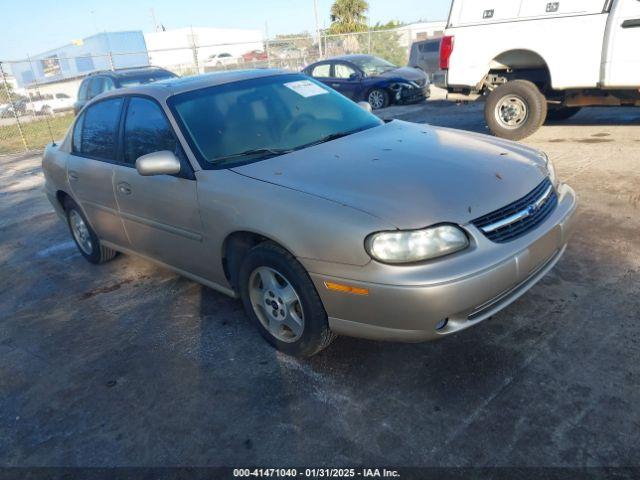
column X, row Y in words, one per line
column 349, row 16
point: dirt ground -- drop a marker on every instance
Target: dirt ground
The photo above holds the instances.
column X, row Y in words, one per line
column 128, row 364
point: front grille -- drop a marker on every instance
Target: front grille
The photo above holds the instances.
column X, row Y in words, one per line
column 520, row 217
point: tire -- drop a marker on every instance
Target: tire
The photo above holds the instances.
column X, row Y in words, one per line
column 515, row 110
column 87, row 242
column 262, row 264
column 378, row 98
column 562, row 113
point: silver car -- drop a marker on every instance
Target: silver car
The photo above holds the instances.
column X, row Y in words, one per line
column 321, row 218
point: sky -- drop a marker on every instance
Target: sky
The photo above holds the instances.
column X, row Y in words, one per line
column 38, row 25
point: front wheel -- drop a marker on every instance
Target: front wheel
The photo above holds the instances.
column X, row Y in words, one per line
column 515, row 110
column 378, row 98
column 280, row 298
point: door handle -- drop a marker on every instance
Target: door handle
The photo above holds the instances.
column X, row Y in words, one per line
column 633, row 23
column 124, row 188
column 73, row 175
column 335, row 84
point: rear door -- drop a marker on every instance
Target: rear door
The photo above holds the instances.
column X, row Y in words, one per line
column 90, row 167
column 622, row 62
column 160, row 213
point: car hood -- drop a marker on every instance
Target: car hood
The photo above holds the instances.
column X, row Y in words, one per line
column 406, row 73
column 410, row 175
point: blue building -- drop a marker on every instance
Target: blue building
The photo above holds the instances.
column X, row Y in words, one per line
column 103, row 51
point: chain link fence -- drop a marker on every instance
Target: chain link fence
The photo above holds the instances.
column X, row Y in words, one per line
column 35, row 114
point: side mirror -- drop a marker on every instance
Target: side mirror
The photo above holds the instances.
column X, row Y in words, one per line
column 353, row 77
column 365, row 106
column 158, row 163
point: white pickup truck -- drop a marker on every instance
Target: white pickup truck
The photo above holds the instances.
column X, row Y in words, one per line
column 537, row 59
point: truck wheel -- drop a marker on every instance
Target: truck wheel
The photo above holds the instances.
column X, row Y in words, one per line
column 562, row 113
column 515, row 110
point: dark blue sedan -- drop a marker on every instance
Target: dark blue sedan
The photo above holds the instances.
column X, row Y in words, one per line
column 371, row 79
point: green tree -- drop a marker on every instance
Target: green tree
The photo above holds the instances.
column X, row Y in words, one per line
column 385, row 43
column 349, row 16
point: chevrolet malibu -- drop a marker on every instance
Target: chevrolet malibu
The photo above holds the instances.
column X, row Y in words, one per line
column 324, row 220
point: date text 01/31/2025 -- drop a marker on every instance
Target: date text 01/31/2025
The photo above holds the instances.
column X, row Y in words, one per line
column 315, row 473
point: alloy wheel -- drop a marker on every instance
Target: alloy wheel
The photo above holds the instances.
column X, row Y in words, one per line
column 376, row 99
column 80, row 232
column 276, row 304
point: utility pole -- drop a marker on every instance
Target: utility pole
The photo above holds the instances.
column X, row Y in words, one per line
column 315, row 11
column 154, row 20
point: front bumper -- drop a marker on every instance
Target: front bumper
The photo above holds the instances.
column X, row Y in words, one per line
column 406, row 304
column 409, row 96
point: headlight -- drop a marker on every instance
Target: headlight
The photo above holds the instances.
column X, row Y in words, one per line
column 416, row 245
column 551, row 169
column 401, row 85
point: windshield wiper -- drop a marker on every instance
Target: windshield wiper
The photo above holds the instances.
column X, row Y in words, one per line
column 333, row 136
column 255, row 151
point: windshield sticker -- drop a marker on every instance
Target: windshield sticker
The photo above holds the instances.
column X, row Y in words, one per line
column 306, row 88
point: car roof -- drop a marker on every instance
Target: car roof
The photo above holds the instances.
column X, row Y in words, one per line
column 128, row 72
column 163, row 89
column 351, row 57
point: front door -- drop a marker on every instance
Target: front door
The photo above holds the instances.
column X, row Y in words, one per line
column 622, row 68
column 160, row 213
column 90, row 168
column 346, row 80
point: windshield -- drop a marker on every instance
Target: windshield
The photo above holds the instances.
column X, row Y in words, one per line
column 150, row 77
column 241, row 122
column 372, row 66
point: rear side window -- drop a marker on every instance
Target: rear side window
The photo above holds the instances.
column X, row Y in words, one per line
column 108, row 85
column 77, row 135
column 100, row 130
column 146, row 130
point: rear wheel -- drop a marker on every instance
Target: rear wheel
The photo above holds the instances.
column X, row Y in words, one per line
column 515, row 110
column 280, row 298
column 562, row 113
column 378, row 98
column 84, row 236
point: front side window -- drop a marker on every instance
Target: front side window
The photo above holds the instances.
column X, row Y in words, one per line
column 100, row 129
column 322, row 71
column 343, row 71
column 242, row 122
column 146, row 130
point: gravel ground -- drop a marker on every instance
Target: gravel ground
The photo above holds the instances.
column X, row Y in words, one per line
column 128, row 364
